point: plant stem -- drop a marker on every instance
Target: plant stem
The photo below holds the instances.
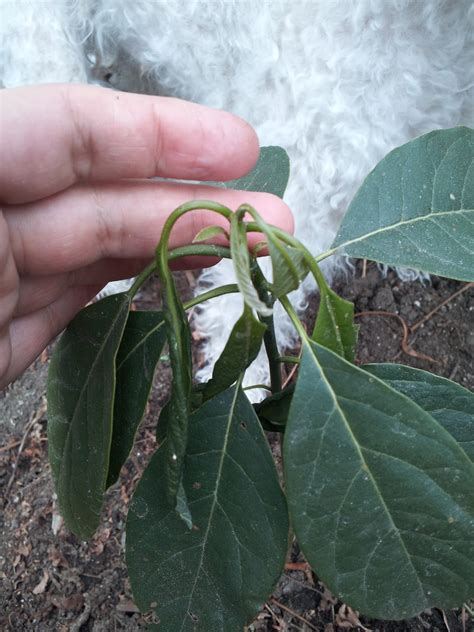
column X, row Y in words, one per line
column 219, row 291
column 141, row 278
column 201, row 250
column 294, row 318
column 269, row 338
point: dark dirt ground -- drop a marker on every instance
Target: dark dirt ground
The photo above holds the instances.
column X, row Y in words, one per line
column 52, row 582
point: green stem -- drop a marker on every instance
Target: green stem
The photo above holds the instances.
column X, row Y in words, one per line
column 200, row 250
column 269, row 338
column 249, row 388
column 293, row 317
column 311, row 261
column 141, row 278
column 219, row 291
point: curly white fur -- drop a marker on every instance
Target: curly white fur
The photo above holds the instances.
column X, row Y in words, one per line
column 337, row 83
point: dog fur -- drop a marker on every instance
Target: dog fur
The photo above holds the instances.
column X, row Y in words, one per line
column 337, row 83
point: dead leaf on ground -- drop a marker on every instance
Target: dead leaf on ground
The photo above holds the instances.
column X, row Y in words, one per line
column 348, row 618
column 41, row 586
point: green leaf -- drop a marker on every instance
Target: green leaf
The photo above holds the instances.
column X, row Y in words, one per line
column 241, row 263
column 380, row 495
column 270, row 174
column 335, row 327
column 289, row 267
column 139, row 353
column 81, row 385
column 177, row 409
column 449, row 403
column 217, row 575
column 416, row 208
column 273, row 411
column 210, row 231
column 241, row 349
column 288, row 264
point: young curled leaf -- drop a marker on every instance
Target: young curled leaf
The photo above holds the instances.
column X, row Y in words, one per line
column 178, row 407
column 242, row 348
column 241, row 260
column 334, row 326
column 288, row 263
column 209, row 232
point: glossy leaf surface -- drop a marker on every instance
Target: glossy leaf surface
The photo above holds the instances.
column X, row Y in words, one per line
column 335, row 327
column 139, row 352
column 416, row 208
column 380, row 495
column 449, row 403
column 241, row 349
column 81, row 386
column 218, row 574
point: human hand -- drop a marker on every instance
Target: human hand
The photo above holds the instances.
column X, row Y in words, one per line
column 77, row 210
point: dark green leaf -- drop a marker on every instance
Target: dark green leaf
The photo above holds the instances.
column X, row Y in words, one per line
column 81, row 385
column 416, row 208
column 335, row 327
column 241, row 262
column 273, row 411
column 270, row 174
column 380, row 495
column 242, row 348
column 449, row 403
column 139, row 352
column 217, row 575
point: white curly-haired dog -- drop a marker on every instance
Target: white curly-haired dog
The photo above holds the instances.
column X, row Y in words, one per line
column 337, row 83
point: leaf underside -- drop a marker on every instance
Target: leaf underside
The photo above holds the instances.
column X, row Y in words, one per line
column 218, row 574
column 381, row 497
column 416, row 208
column 449, row 403
column 81, row 385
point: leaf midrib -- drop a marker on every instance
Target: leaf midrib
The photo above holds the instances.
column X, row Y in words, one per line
column 140, row 343
column 215, row 501
column 365, row 465
column 384, row 229
column 81, row 393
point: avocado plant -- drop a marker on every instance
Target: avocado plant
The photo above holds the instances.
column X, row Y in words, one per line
column 378, row 472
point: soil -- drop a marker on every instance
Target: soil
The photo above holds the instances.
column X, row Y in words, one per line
column 53, row 582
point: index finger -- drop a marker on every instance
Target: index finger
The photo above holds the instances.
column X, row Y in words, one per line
column 56, row 135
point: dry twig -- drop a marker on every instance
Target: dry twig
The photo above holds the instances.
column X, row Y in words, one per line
column 293, row 614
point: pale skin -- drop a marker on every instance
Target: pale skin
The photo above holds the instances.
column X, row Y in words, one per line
column 78, row 208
